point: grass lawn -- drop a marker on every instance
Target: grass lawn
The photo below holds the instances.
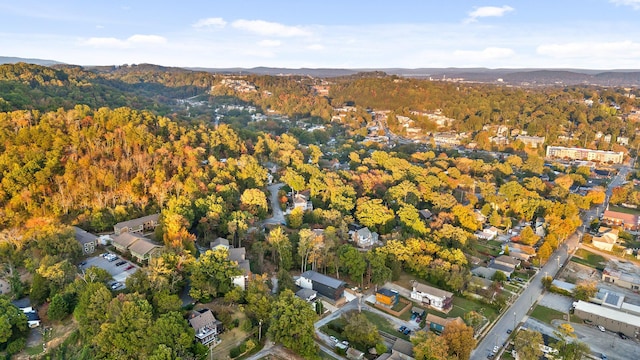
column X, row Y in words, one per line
column 325, row 356
column 384, row 325
column 487, row 248
column 461, row 306
column 34, row 350
column 624, row 210
column 512, row 288
column 546, row 314
column 590, row 259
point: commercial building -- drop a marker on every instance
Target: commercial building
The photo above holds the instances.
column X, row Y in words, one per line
column 531, row 141
column 561, row 152
column 611, row 319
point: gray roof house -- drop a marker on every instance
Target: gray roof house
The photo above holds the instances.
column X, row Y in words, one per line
column 138, row 225
column 87, row 240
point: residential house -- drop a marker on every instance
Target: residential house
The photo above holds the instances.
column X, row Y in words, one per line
column 621, row 278
column 425, row 214
column 480, row 217
column 87, row 240
column 124, row 240
column 430, row 296
column 301, row 201
column 387, row 297
column 139, row 246
column 206, row 326
column 354, row 354
column 24, row 304
column 239, row 256
column 402, row 350
column 438, row 324
column 324, row 285
column 627, row 221
column 605, row 239
column 219, row 243
column 506, row 269
column 144, row 249
column 33, row 320
column 519, row 251
column 483, row 272
column 507, row 261
column 307, row 295
column 488, row 233
column 139, row 225
column 364, row 237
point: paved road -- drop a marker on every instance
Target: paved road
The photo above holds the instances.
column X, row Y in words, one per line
column 277, row 216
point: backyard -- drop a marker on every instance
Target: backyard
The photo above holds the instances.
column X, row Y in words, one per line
column 546, row 314
column 590, row 259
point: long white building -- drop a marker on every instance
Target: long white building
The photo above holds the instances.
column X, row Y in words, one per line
column 561, row 152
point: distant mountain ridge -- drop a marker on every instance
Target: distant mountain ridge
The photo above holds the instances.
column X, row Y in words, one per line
column 15, row 60
column 515, row 77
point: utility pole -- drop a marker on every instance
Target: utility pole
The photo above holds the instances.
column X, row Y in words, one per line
column 260, row 331
column 514, row 321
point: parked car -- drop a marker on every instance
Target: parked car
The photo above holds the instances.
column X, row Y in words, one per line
column 496, row 349
column 402, row 328
column 83, row 263
column 333, row 338
column 603, row 357
column 129, row 267
column 601, row 328
column 508, row 331
column 345, row 343
column 622, row 336
column 120, row 263
column 116, row 286
column 407, row 331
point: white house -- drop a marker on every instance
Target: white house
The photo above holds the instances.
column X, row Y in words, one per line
column 436, row 298
column 364, row 237
column 605, row 239
column 489, row 233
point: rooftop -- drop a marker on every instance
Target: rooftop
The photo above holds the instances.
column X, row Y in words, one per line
column 608, row 313
column 431, row 290
column 83, row 236
column 137, row 222
column 323, row 279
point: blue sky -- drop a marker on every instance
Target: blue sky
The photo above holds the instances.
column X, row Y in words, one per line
column 595, row 34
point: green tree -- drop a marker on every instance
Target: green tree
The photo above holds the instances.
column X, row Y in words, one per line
column 360, row 330
column 352, row 262
column 585, row 290
column 212, row 274
column 527, row 344
column 380, row 272
column 58, row 308
column 281, row 248
column 258, row 299
column 173, row 331
column 292, row 325
column 13, row 323
column 499, row 277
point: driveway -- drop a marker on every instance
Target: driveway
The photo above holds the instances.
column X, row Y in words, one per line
column 277, row 216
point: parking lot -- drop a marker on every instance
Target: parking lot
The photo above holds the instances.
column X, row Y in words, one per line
column 119, row 273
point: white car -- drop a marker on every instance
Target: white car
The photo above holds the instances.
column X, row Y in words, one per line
column 496, row 349
column 601, row 328
column 333, row 338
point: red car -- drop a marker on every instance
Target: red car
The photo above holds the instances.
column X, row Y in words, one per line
column 128, row 267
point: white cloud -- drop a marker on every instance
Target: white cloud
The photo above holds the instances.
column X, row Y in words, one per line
column 635, row 4
column 489, row 53
column 214, row 22
column 132, row 41
column 270, row 43
column 488, row 11
column 614, row 49
column 267, row 28
column 315, row 47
